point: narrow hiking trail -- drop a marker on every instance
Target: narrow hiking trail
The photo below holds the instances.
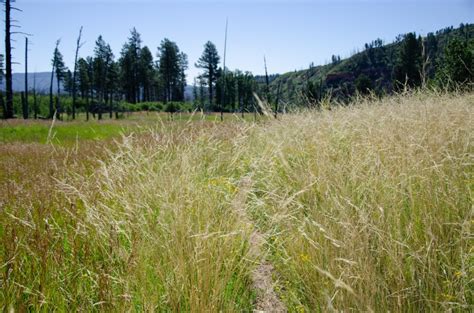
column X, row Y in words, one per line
column 262, row 276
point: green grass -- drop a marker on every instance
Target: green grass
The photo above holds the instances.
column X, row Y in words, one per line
column 362, row 208
column 69, row 132
column 60, row 134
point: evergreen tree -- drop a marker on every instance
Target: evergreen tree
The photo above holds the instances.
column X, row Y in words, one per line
column 363, row 84
column 209, row 62
column 103, row 58
column 457, row 65
column 408, row 69
column 431, row 50
column 183, row 66
column 113, row 86
column 60, row 72
column 226, row 101
column 195, row 95
column 130, row 65
column 90, row 101
column 169, row 67
column 68, row 82
column 146, row 72
column 202, row 92
column 83, row 78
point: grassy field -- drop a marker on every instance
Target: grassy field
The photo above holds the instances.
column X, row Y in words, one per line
column 360, row 208
column 67, row 132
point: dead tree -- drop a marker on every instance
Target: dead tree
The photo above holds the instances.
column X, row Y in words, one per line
column 8, row 61
column 277, row 99
column 8, row 56
column 74, row 87
column 267, row 81
column 25, row 104
column 51, row 102
column 35, row 103
column 2, row 102
column 223, row 89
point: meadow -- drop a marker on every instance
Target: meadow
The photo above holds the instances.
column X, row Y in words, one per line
column 364, row 207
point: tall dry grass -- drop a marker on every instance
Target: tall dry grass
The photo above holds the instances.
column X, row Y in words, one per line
column 369, row 208
column 365, row 208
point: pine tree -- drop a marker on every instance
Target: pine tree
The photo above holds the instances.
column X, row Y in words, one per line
column 129, row 65
column 83, row 78
column 408, row 69
column 103, row 58
column 202, row 92
column 113, row 86
column 183, row 66
column 146, row 72
column 209, row 62
column 60, row 70
column 172, row 67
column 457, row 65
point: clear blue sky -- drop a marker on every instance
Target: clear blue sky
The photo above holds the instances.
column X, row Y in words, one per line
column 291, row 33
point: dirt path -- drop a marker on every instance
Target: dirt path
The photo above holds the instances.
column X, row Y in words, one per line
column 262, row 275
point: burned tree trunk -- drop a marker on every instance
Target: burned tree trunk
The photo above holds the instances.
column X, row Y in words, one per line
column 24, row 107
column 35, row 103
column 51, row 100
column 25, row 104
column 277, row 99
column 74, row 91
column 8, row 61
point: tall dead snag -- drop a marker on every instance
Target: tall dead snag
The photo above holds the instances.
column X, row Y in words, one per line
column 35, row 102
column 23, row 106
column 223, row 89
column 267, row 81
column 277, row 99
column 74, row 87
column 51, row 102
column 25, row 103
column 8, row 62
column 2, row 102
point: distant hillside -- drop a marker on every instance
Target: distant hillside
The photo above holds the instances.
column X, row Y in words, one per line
column 376, row 62
column 43, row 80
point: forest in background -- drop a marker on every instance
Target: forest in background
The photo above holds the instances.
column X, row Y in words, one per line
column 139, row 78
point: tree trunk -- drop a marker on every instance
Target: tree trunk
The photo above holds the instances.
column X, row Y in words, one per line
column 24, row 107
column 51, row 107
column 56, row 100
column 87, row 108
column 35, row 104
column 111, row 105
column 58, row 104
column 277, row 99
column 2, row 104
column 26, row 80
column 8, row 60
column 74, row 91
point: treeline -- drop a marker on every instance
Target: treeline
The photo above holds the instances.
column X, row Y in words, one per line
column 103, row 81
column 106, row 83
column 443, row 59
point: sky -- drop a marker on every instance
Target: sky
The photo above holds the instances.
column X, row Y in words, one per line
column 291, row 34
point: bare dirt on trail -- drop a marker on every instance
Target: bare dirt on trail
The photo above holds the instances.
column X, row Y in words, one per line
column 262, row 276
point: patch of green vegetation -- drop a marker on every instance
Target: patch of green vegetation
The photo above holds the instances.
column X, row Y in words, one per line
column 62, row 134
column 66, row 133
